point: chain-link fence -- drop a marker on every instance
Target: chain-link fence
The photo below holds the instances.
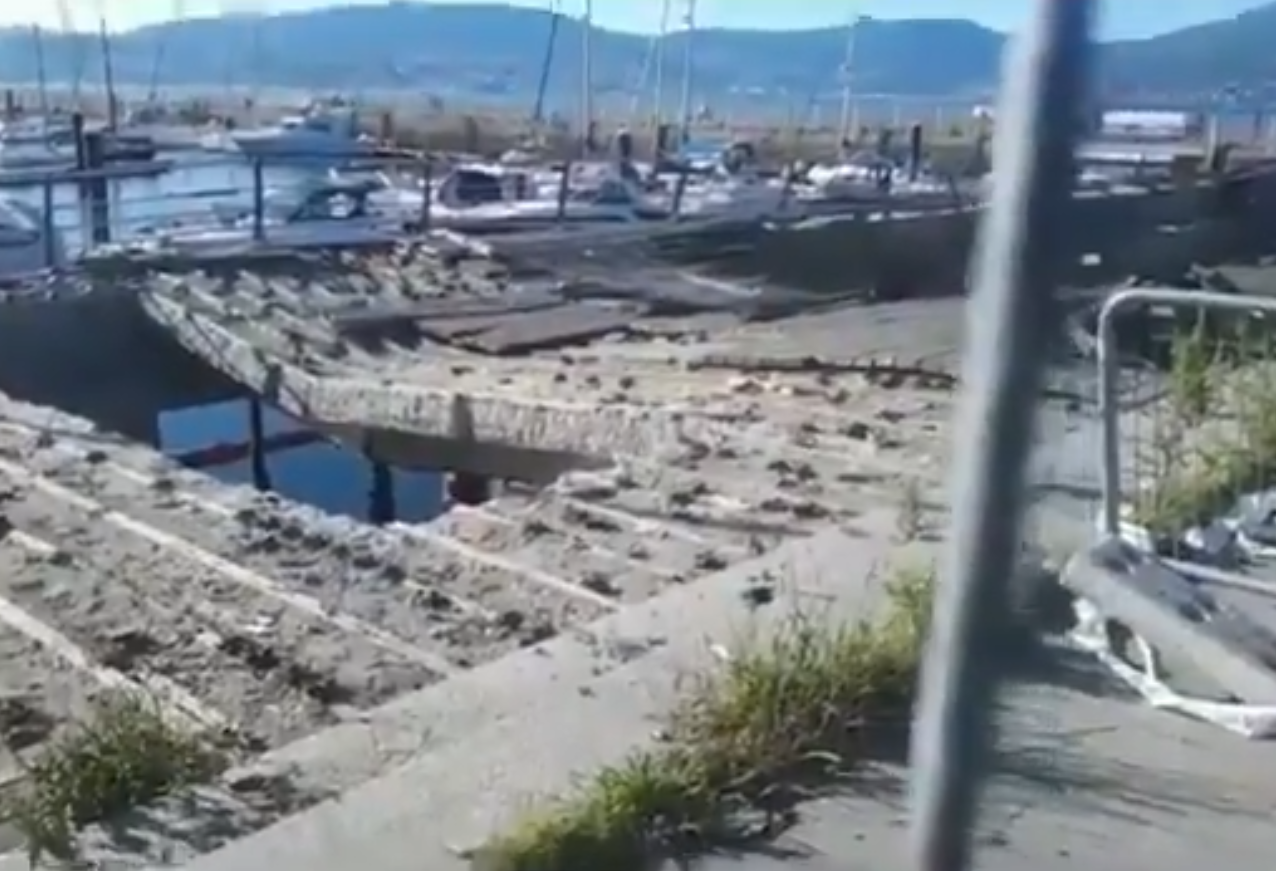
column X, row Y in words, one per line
column 1188, row 399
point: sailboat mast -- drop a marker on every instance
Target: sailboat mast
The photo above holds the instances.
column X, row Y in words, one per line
column 848, row 64
column 547, row 64
column 658, row 91
column 688, row 69
column 108, row 72
column 586, row 75
column 42, row 80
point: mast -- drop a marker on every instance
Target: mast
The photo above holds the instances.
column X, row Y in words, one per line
column 161, row 50
column 658, row 91
column 586, row 75
column 688, row 69
column 42, row 80
column 542, row 89
column 67, row 24
column 848, row 63
column 108, row 72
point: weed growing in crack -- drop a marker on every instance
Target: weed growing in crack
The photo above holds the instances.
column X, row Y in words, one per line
column 125, row 756
column 812, row 699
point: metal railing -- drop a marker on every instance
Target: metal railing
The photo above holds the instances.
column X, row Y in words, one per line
column 1188, row 420
column 88, row 208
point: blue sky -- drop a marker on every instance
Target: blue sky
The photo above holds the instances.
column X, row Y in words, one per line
column 1121, row 18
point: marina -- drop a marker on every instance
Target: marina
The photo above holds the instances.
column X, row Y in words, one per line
column 358, row 458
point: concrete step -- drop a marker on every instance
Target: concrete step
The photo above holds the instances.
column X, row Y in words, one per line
column 538, row 720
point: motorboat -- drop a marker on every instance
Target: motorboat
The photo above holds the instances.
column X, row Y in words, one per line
column 322, row 133
column 35, row 155
column 324, row 213
column 479, row 198
column 869, row 174
column 27, row 245
column 32, row 129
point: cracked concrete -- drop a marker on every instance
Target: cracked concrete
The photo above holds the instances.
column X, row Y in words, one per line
column 684, row 434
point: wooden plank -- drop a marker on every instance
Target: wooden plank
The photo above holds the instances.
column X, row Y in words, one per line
column 374, row 321
column 539, row 331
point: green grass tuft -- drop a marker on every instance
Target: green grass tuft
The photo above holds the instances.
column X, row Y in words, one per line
column 128, row 754
column 813, row 697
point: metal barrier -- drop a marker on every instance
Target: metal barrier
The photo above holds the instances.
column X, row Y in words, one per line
column 86, row 208
column 1189, row 422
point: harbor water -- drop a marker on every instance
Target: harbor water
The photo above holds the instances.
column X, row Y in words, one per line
column 328, row 476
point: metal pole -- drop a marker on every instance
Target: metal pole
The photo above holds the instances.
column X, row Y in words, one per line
column 658, row 91
column 848, row 64
column 688, row 72
column 50, row 227
column 1011, row 321
column 259, row 201
column 587, row 77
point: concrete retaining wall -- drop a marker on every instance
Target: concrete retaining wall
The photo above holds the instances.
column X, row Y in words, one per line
column 927, row 255
column 95, row 354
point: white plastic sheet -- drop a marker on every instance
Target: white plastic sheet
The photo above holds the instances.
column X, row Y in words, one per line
column 1221, row 543
column 1091, row 634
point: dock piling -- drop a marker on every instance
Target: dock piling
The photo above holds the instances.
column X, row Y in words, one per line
column 465, row 488
column 94, row 195
column 381, row 504
column 679, row 192
column 259, row 202
column 49, row 226
column 564, row 189
column 257, row 444
column 427, row 186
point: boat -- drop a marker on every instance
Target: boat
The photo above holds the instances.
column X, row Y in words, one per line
column 321, row 213
column 480, row 198
column 321, row 132
column 24, row 247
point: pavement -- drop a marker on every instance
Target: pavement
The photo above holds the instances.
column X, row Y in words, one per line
column 403, row 691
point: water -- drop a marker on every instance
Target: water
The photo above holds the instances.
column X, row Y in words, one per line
column 327, row 476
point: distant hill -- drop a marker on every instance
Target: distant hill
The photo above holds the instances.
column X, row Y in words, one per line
column 495, row 52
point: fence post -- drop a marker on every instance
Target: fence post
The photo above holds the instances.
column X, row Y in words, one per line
column 1109, row 372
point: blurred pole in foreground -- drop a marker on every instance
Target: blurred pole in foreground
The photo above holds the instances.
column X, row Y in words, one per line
column 1010, row 321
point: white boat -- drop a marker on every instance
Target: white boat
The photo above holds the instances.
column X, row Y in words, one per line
column 867, row 173
column 320, row 133
column 23, row 246
column 31, row 143
column 321, row 214
column 482, row 198
column 35, row 155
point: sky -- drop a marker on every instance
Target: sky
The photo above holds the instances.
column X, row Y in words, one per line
column 1122, row 18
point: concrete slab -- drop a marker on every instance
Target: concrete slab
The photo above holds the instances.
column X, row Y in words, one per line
column 1084, row 780
column 1182, row 619
column 434, row 808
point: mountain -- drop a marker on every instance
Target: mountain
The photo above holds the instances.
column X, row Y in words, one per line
column 496, row 52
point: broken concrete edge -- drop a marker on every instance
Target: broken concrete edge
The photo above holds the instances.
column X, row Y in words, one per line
column 1178, row 619
column 591, row 432
column 547, row 716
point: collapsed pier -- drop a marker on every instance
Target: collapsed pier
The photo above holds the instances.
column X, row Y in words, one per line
column 614, row 439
